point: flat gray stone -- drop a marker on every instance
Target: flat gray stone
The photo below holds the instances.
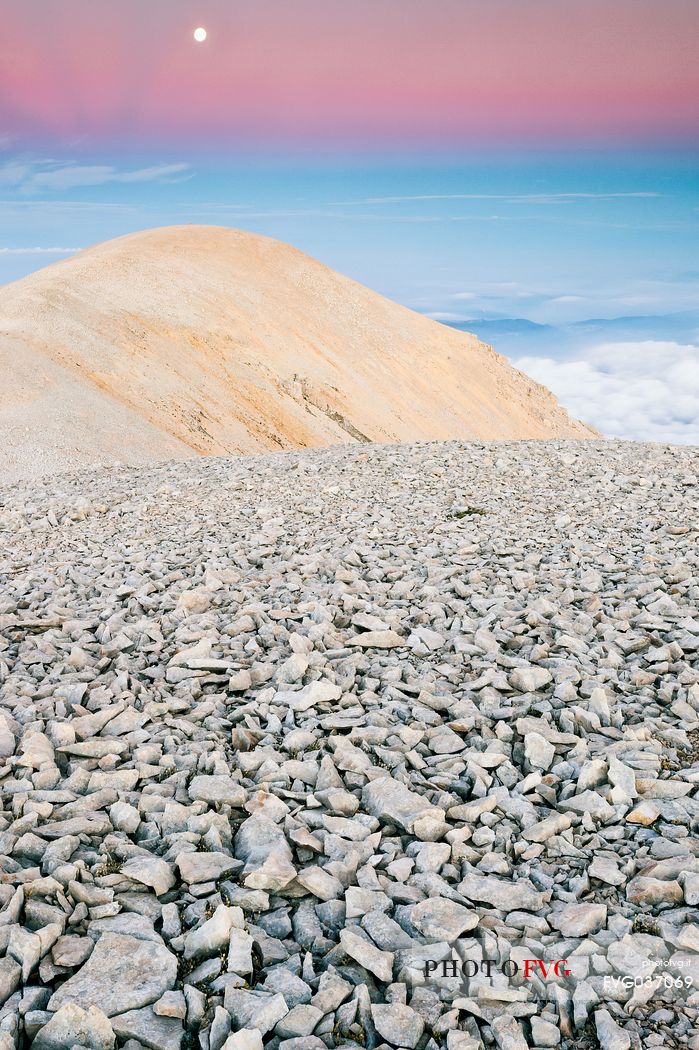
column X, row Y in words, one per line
column 152, row 1031
column 508, row 1033
column 529, row 679
column 122, row 974
column 371, row 958
column 205, row 867
column 501, row 894
column 71, row 1024
column 399, row 1025
column 389, row 800
column 610, row 1035
column 262, row 845
column 150, row 871
column 440, row 919
column 378, row 640
column 578, row 920
column 10, row 976
column 300, row 1020
column 217, row 790
column 244, row 1039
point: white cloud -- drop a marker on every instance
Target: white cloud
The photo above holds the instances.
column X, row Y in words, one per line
column 444, row 316
column 74, row 175
column 39, row 176
column 647, row 391
column 39, row 251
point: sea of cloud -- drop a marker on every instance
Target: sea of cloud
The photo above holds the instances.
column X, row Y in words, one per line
column 644, row 391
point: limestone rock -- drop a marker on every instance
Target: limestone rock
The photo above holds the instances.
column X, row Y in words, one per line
column 397, row 1024
column 71, row 1024
column 609, row 1033
column 122, row 974
column 149, row 1029
column 389, row 800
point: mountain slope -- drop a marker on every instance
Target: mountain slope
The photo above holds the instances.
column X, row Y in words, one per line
column 206, row 340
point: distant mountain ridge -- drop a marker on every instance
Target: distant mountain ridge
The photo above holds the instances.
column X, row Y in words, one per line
column 516, row 334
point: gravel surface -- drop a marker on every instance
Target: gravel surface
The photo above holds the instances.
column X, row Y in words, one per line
column 369, row 746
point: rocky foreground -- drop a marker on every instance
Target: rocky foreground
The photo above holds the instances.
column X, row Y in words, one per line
column 335, row 748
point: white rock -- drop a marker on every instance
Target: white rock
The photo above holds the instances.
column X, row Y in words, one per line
column 239, row 952
column 399, row 1025
column 529, row 679
column 610, row 1035
column 371, row 958
column 209, row 938
column 539, row 752
column 124, row 817
column 217, row 789
column 244, row 1039
column 151, row 871
column 122, row 973
column 71, row 1024
column 389, row 800
column 378, row 640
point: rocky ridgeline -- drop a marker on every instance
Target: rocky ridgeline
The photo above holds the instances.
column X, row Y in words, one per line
column 282, row 735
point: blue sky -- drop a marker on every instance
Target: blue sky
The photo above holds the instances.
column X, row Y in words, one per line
column 549, row 238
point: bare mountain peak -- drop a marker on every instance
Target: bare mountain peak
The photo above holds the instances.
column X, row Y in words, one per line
column 207, row 340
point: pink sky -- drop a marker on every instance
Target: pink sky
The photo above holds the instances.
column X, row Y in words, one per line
column 373, row 70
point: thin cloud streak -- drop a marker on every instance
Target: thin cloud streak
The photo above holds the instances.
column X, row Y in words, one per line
column 39, row 251
column 36, row 176
column 511, row 198
column 48, row 204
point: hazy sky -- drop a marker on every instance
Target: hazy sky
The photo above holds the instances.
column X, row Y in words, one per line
column 375, row 71
column 541, row 236
column 470, row 158
column 526, row 156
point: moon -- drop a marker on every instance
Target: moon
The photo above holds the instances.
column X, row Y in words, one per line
column 200, row 35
